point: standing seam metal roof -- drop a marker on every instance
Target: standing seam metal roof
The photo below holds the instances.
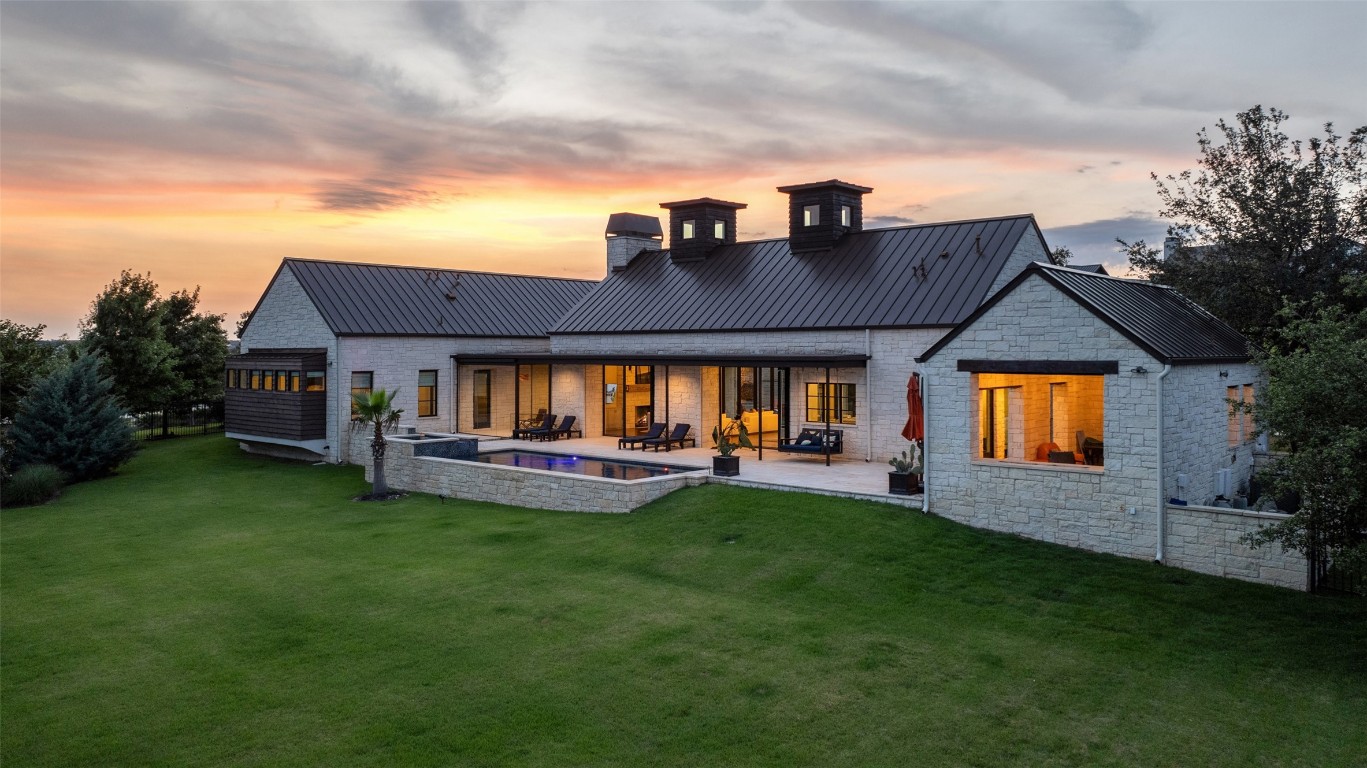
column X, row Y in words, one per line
column 382, row 300
column 888, row 278
column 1157, row 318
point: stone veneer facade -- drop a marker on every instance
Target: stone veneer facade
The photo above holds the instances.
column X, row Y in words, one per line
column 1114, row 508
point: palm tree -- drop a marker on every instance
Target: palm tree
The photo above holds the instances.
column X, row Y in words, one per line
column 376, row 408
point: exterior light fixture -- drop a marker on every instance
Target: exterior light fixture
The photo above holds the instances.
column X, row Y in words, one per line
column 1139, row 369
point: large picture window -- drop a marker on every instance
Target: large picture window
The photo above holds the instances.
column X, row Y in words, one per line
column 427, row 393
column 362, row 382
column 1240, row 401
column 315, row 381
column 830, row 402
column 1047, row 418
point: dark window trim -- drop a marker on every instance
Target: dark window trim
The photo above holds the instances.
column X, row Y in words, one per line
column 432, row 400
column 1053, row 367
column 829, row 400
column 355, row 390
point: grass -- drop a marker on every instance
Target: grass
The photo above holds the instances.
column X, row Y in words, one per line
column 206, row 607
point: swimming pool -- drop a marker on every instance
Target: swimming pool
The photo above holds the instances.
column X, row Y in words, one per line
column 589, row 466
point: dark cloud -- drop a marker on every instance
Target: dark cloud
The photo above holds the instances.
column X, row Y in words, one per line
column 470, row 32
column 878, row 222
column 371, row 195
column 1094, row 242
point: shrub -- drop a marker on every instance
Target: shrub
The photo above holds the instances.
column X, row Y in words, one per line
column 31, row 485
column 71, row 420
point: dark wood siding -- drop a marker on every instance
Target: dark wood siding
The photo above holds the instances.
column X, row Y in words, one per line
column 280, row 415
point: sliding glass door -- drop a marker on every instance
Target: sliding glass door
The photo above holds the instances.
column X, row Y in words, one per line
column 628, row 399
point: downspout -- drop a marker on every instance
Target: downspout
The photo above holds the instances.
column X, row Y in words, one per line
column 1162, row 503
column 925, row 443
column 868, row 387
column 342, row 452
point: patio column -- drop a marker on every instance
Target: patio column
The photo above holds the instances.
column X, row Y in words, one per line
column 826, row 400
column 517, row 393
column 667, row 445
column 760, row 411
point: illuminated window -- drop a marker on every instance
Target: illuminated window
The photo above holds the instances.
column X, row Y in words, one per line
column 282, row 381
column 846, row 216
column 830, row 402
column 256, row 379
column 719, row 230
column 268, row 380
column 427, row 393
column 362, row 382
column 231, row 381
column 811, row 215
column 294, row 381
column 1056, row 418
column 315, row 381
column 688, row 227
column 1240, row 402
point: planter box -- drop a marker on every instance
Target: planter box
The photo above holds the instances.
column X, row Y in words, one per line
column 726, row 466
column 903, row 485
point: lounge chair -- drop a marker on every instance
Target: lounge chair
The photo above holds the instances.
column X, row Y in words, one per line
column 678, row 435
column 533, row 433
column 565, row 428
column 656, row 429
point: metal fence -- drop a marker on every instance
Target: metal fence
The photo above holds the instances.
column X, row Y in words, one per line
column 1327, row 577
column 179, row 419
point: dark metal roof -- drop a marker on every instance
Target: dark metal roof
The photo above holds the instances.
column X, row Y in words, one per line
column 1158, row 319
column 1100, row 269
column 882, row 278
column 703, row 201
column 825, row 184
column 380, row 300
column 635, row 223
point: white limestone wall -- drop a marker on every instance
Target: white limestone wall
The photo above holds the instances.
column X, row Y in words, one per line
column 1078, row 506
column 287, row 319
column 1195, row 430
column 1029, row 250
column 1208, row 540
column 396, row 360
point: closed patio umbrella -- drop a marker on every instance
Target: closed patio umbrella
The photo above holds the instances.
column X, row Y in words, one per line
column 916, row 425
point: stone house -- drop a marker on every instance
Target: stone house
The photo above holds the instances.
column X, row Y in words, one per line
column 1095, row 412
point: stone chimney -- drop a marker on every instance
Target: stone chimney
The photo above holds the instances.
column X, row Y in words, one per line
column 628, row 234
column 819, row 214
column 698, row 226
column 1170, row 247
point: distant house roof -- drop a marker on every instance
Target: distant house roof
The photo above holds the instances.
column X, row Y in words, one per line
column 1100, row 269
column 634, row 223
column 1158, row 319
column 930, row 275
column 380, row 300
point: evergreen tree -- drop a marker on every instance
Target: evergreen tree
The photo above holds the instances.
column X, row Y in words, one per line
column 70, row 419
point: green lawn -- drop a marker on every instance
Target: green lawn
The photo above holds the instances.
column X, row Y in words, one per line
column 210, row 608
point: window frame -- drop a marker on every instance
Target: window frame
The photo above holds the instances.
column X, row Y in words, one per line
column 320, row 376
column 834, row 403
column 429, row 399
column 811, row 215
column 355, row 390
column 846, row 216
column 689, row 229
column 719, row 229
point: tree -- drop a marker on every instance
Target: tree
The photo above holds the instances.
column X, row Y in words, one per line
column 156, row 350
column 376, row 410
column 242, row 323
column 70, row 419
column 24, row 359
column 1263, row 219
column 1317, row 366
column 200, row 345
column 1061, row 255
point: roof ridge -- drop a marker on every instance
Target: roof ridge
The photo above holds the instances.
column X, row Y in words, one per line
column 437, row 269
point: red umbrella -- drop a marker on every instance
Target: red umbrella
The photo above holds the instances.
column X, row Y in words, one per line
column 916, row 422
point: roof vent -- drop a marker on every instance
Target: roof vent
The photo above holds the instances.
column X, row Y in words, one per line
column 698, row 226
column 820, row 213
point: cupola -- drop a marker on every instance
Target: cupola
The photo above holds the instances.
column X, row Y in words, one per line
column 698, row 226
column 820, row 213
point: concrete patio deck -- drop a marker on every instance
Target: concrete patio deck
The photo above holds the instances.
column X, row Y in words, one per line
column 845, row 477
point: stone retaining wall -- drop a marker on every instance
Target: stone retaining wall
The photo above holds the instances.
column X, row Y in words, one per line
column 1206, row 540
column 539, row 489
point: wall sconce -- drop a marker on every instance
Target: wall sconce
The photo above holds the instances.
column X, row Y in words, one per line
column 1139, row 369
column 1224, row 374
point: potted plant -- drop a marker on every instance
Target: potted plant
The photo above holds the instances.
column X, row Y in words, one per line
column 728, row 438
column 905, row 477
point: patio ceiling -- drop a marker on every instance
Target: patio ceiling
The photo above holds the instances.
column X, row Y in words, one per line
column 745, row 361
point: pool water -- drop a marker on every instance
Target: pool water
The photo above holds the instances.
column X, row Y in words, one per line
column 581, row 465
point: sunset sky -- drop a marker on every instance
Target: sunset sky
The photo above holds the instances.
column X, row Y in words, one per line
column 204, row 142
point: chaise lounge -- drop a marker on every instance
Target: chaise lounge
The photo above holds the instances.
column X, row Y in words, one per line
column 679, row 435
column 534, row 433
column 656, row 429
column 565, row 429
